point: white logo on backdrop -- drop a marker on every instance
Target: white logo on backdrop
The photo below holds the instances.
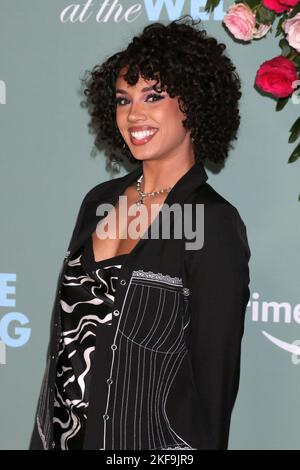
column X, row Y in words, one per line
column 11, row 333
column 277, row 313
column 2, row 92
column 118, row 11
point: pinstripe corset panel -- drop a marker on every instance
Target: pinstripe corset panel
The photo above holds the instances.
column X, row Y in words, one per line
column 149, row 349
column 157, row 324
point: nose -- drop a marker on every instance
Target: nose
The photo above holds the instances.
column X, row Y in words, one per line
column 136, row 112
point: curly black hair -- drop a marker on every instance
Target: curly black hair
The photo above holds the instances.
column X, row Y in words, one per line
column 191, row 66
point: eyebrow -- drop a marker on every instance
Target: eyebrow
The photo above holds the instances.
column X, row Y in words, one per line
column 147, row 88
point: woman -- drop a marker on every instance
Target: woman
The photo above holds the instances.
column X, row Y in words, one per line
column 146, row 330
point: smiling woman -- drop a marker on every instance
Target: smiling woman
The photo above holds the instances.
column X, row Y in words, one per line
column 172, row 77
column 157, row 118
column 146, row 332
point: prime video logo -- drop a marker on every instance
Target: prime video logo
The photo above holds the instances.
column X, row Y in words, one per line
column 13, row 330
column 277, row 313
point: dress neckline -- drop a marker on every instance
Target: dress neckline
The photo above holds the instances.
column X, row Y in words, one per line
column 89, row 253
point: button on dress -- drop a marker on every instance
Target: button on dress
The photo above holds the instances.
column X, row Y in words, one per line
column 87, row 312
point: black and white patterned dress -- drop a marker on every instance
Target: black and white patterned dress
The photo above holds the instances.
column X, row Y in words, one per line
column 87, row 298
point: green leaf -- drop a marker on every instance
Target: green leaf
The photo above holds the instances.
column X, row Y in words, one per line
column 297, row 60
column 279, row 29
column 281, row 102
column 294, row 11
column 250, row 3
column 295, row 154
column 284, row 45
column 211, row 5
column 265, row 16
column 292, row 138
column 295, row 131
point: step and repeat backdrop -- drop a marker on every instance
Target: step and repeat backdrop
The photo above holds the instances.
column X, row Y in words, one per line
column 48, row 164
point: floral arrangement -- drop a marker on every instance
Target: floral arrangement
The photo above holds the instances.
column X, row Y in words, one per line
column 279, row 77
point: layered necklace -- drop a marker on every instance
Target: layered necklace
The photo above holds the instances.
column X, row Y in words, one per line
column 142, row 195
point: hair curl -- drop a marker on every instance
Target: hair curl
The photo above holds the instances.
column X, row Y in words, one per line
column 191, row 66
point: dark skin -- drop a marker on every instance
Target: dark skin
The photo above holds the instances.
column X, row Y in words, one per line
column 166, row 158
column 110, row 247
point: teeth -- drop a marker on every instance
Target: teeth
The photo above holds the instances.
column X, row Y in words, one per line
column 142, row 135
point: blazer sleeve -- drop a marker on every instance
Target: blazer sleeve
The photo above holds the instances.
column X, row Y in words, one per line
column 219, row 293
column 36, row 442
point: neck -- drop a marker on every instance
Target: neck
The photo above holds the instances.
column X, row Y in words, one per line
column 163, row 174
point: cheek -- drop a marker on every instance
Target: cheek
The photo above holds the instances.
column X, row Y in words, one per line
column 119, row 114
column 174, row 117
column 121, row 120
column 175, row 126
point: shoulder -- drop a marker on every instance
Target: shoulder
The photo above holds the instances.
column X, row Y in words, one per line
column 101, row 189
column 106, row 189
column 206, row 194
column 223, row 223
column 216, row 207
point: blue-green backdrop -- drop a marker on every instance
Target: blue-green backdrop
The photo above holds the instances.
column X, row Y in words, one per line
column 47, row 167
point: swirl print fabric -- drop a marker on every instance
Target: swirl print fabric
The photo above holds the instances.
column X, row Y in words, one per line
column 86, row 301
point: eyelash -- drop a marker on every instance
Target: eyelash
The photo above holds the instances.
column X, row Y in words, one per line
column 152, row 95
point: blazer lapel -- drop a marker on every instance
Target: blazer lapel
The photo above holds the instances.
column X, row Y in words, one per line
column 87, row 219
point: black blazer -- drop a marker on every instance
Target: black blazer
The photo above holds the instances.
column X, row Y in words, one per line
column 174, row 366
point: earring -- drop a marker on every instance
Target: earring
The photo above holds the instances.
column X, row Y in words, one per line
column 124, row 145
column 116, row 164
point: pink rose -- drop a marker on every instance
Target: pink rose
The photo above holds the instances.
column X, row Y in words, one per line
column 276, row 76
column 292, row 28
column 275, row 5
column 240, row 20
column 261, row 31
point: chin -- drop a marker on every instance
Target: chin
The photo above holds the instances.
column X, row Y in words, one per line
column 142, row 157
